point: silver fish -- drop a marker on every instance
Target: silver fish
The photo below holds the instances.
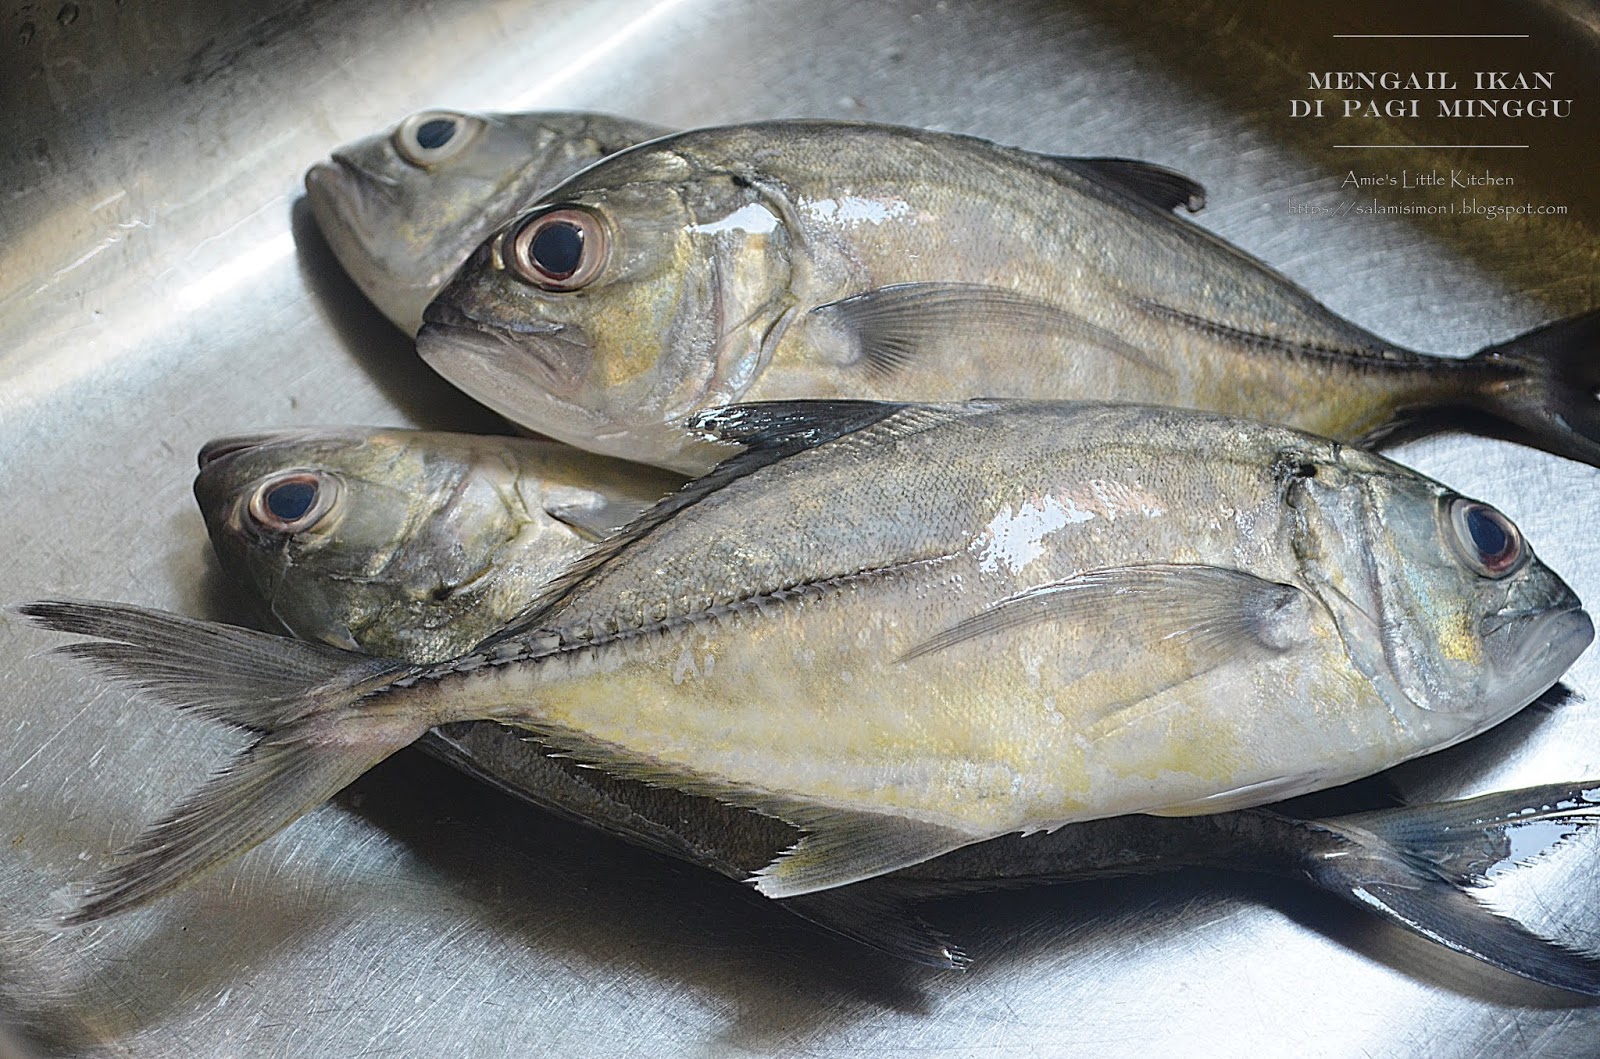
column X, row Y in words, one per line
column 908, row 629
column 811, row 259
column 404, row 543
column 403, row 209
column 365, row 573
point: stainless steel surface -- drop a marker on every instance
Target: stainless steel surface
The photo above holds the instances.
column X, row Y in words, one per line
column 159, row 286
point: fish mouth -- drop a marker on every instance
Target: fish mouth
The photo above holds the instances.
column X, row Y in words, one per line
column 558, row 362
column 528, row 376
column 344, row 179
column 342, row 194
column 1532, row 648
column 355, row 210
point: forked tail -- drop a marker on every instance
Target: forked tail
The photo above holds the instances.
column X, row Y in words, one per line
column 1542, row 388
column 1422, row 867
column 296, row 696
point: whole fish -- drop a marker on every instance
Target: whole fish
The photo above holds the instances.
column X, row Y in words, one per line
column 1381, row 861
column 403, row 209
column 817, row 259
column 404, row 543
column 906, row 629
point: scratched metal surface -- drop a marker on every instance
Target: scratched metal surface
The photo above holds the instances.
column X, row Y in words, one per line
column 160, row 285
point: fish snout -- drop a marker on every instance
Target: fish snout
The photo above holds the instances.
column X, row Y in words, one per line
column 341, row 181
column 323, row 180
column 552, row 357
column 1529, row 650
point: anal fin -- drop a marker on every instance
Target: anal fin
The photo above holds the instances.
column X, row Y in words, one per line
column 837, row 846
column 842, row 847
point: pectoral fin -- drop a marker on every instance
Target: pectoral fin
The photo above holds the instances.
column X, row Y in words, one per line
column 1163, row 188
column 1213, row 614
column 890, row 328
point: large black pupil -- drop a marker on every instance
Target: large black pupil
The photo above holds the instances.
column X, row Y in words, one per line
column 558, row 249
column 291, row 500
column 435, row 133
column 1488, row 535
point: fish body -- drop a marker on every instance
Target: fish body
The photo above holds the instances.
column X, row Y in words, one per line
column 403, row 209
column 408, row 544
column 908, row 629
column 933, row 626
column 814, row 259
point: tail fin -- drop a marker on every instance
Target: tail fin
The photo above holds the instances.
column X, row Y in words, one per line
column 294, row 695
column 1414, row 866
column 1543, row 388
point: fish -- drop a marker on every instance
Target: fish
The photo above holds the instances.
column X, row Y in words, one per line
column 906, row 629
column 403, row 543
column 404, row 208
column 371, row 580
column 820, row 259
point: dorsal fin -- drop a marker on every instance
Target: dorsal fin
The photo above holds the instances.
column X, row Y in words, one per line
column 1163, row 188
column 768, row 431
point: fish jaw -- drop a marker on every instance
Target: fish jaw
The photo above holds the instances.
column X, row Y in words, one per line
column 343, row 198
column 1528, row 651
column 521, row 376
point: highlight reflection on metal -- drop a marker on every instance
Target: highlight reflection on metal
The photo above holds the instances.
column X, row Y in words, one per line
column 159, row 285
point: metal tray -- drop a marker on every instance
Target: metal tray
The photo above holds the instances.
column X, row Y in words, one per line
column 161, row 283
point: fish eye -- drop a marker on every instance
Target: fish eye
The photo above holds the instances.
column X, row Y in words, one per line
column 559, row 249
column 293, row 502
column 1488, row 541
column 430, row 137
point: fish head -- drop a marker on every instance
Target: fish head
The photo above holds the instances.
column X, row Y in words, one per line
column 355, row 537
column 403, row 209
column 1439, row 598
column 642, row 291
